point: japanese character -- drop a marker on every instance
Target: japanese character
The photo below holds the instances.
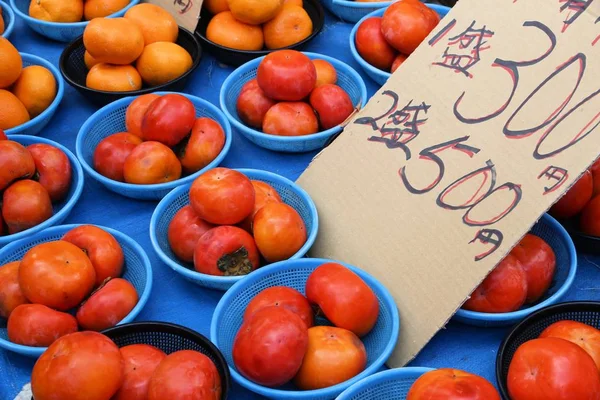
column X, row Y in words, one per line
column 557, row 174
column 488, row 236
column 400, row 126
column 574, row 9
column 463, row 51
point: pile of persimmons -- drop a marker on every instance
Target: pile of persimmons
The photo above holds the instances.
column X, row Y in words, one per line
column 24, row 92
column 94, row 368
column 231, row 222
column 522, row 277
column 293, row 95
column 32, row 178
column 563, row 362
column 164, row 140
column 81, row 273
column 67, row 11
column 256, row 24
column 581, row 203
column 279, row 342
column 122, row 54
column 385, row 42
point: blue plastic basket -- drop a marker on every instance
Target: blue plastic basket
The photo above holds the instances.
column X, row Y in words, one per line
column 557, row 237
column 137, row 270
column 59, row 31
column 352, row 11
column 110, row 119
column 378, row 75
column 393, row 384
column 290, row 193
column 348, row 79
column 8, row 16
column 61, row 209
column 37, row 124
column 228, row 317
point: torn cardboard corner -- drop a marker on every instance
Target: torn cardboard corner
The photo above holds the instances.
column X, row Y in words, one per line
column 478, row 133
column 186, row 12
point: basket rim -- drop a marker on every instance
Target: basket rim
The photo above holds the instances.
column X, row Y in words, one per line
column 318, row 25
column 51, row 109
column 9, row 25
column 366, row 383
column 82, row 24
column 85, row 128
column 562, row 290
column 370, row 69
column 361, row 5
column 252, row 174
column 143, row 297
column 533, row 317
column 253, row 64
column 78, row 174
column 179, row 329
column 331, row 391
column 79, row 42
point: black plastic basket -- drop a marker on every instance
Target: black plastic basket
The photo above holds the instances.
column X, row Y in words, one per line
column 587, row 312
column 171, row 338
column 447, row 3
column 583, row 242
column 235, row 58
column 74, row 71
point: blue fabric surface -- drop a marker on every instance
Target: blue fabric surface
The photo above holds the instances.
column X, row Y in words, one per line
column 175, row 300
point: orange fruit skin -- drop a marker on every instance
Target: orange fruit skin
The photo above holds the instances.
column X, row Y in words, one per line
column 56, row 10
column 36, row 89
column 136, row 111
column 161, row 62
column 11, row 65
column 255, row 12
column 227, row 31
column 12, row 112
column 1, row 22
column 289, row 27
column 298, row 3
column 113, row 78
column 156, row 24
column 102, row 8
column 113, row 40
column 326, row 73
column 89, row 60
column 216, row 6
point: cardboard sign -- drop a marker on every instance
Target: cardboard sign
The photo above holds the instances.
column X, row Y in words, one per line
column 186, row 12
column 479, row 132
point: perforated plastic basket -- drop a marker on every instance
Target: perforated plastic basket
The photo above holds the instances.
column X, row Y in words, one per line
column 137, row 270
column 37, row 124
column 61, row 209
column 8, row 16
column 348, row 79
column 351, row 10
column 393, row 384
column 62, row 32
column 587, row 312
column 74, row 71
column 111, row 119
column 171, row 338
column 378, row 75
column 235, row 58
column 290, row 193
column 566, row 267
column 228, row 318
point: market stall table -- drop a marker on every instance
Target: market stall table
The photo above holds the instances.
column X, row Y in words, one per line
column 175, row 300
